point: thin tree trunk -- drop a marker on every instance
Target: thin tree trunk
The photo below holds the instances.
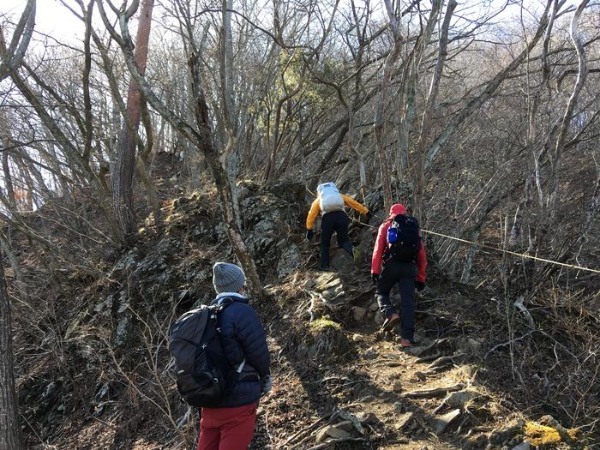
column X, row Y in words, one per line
column 549, row 209
column 419, row 173
column 12, row 57
column 123, row 174
column 386, row 178
column 556, row 159
column 10, row 431
column 219, row 174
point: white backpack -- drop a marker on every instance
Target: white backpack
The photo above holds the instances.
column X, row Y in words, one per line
column 330, row 198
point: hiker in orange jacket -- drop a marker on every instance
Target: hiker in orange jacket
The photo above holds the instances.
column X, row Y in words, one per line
column 330, row 202
column 388, row 267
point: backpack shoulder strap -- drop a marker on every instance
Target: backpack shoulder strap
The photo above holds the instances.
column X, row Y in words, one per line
column 220, row 306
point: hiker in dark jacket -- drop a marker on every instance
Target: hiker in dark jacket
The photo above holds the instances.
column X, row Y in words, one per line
column 230, row 426
column 386, row 272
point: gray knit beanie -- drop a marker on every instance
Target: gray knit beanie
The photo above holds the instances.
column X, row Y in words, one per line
column 227, row 277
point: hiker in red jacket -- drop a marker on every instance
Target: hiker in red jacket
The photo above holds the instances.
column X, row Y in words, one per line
column 402, row 262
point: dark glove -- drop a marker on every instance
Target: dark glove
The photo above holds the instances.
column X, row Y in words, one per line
column 369, row 216
column 267, row 384
column 419, row 285
column 310, row 234
column 375, row 278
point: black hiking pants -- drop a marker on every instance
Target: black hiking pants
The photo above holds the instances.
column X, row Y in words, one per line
column 403, row 274
column 334, row 221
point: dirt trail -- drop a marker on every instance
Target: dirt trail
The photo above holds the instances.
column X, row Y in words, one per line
column 377, row 395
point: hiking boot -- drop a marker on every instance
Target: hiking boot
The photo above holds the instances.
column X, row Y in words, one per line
column 405, row 343
column 324, row 269
column 356, row 256
column 389, row 322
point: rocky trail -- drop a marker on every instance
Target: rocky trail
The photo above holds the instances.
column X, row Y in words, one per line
column 384, row 396
column 93, row 369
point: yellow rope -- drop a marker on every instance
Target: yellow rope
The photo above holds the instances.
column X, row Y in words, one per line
column 522, row 255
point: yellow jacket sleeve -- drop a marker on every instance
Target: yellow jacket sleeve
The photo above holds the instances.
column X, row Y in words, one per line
column 355, row 205
column 315, row 209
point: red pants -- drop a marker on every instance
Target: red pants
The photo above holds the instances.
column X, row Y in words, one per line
column 227, row 428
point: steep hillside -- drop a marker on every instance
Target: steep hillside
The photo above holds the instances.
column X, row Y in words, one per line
column 93, row 368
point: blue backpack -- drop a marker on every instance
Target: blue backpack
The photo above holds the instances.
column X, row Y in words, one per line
column 404, row 239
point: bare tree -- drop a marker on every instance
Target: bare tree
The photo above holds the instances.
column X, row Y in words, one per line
column 10, row 431
column 123, row 174
column 199, row 133
column 529, row 154
column 549, row 207
column 13, row 55
column 430, row 104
